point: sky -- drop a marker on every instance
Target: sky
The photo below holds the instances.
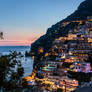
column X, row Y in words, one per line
column 23, row 21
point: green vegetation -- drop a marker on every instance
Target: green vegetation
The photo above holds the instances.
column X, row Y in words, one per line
column 80, row 76
column 82, row 12
column 59, row 90
column 11, row 72
column 57, row 30
column 46, row 40
column 89, row 60
column 66, row 65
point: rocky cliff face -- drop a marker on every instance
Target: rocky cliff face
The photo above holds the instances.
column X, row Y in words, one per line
column 57, row 30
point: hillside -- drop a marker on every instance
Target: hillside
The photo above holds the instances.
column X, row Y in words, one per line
column 58, row 30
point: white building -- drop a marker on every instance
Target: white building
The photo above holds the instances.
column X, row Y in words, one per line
column 82, row 67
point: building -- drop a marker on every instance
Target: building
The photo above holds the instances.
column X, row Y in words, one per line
column 82, row 67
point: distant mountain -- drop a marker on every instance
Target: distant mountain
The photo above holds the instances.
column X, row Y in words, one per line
column 45, row 41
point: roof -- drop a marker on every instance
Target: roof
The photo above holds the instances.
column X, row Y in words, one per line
column 83, row 89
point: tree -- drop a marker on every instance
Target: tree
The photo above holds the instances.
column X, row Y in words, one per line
column 25, row 83
column 66, row 65
column 1, row 35
column 89, row 59
column 11, row 71
column 59, row 90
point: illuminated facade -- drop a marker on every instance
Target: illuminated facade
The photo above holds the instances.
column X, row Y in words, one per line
column 82, row 67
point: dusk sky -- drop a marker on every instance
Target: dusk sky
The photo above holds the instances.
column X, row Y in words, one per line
column 23, row 21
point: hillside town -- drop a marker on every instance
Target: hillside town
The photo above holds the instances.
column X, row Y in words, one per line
column 68, row 64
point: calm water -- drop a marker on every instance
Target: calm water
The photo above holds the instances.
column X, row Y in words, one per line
column 27, row 63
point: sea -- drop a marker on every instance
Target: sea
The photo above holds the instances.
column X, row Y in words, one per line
column 26, row 62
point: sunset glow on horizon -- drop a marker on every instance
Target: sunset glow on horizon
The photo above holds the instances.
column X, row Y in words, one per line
column 5, row 42
column 14, row 43
column 24, row 21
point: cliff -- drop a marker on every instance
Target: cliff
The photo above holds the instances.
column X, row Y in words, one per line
column 58, row 30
